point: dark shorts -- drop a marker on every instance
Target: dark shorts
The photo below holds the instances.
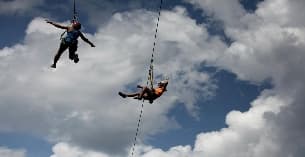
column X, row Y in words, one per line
column 72, row 48
column 150, row 95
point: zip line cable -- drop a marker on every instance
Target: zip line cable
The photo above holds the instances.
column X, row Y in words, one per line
column 150, row 82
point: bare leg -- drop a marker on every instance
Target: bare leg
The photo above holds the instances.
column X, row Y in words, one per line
column 139, row 86
column 132, row 94
column 138, row 95
column 60, row 51
column 145, row 90
column 129, row 95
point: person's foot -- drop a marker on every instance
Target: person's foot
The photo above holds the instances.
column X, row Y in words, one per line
column 122, row 95
column 139, row 86
column 76, row 59
column 53, row 66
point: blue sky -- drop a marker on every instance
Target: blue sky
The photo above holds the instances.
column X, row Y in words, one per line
column 224, row 77
column 212, row 112
column 231, row 94
column 20, row 21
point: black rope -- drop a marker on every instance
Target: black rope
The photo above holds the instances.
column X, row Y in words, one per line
column 150, row 80
column 151, row 67
column 137, row 131
column 75, row 18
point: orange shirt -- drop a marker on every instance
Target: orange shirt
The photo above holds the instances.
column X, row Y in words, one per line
column 159, row 91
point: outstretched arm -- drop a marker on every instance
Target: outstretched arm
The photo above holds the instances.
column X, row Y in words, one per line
column 86, row 40
column 165, row 87
column 57, row 25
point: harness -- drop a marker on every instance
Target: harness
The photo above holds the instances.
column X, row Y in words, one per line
column 71, row 37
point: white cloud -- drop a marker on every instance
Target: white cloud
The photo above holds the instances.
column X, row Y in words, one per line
column 5, row 152
column 270, row 46
column 106, row 8
column 78, row 104
column 247, row 134
column 65, row 150
column 177, row 151
column 229, row 11
column 283, row 12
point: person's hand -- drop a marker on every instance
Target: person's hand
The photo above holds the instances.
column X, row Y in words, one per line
column 48, row 21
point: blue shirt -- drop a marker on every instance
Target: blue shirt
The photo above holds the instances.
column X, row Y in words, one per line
column 72, row 36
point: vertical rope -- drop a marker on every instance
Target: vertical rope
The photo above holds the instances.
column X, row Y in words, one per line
column 149, row 81
column 137, row 131
column 75, row 18
column 151, row 67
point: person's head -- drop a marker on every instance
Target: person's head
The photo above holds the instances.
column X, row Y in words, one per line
column 76, row 25
column 163, row 83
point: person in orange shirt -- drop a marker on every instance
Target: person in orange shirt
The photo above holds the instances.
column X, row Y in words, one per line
column 147, row 93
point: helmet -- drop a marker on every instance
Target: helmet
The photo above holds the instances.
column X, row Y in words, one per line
column 76, row 25
column 162, row 83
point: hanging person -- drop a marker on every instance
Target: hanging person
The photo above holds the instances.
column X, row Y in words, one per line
column 69, row 41
column 147, row 93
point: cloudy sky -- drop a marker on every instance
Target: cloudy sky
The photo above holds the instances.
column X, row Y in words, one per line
column 235, row 67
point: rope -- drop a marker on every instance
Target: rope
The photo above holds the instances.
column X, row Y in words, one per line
column 151, row 67
column 75, row 18
column 137, row 131
column 149, row 81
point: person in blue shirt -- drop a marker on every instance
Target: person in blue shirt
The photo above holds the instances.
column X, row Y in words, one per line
column 69, row 41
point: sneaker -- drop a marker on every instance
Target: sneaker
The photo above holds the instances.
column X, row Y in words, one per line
column 76, row 59
column 53, row 66
column 122, row 95
column 139, row 86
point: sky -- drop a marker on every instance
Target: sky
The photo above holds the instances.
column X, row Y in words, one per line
column 235, row 68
